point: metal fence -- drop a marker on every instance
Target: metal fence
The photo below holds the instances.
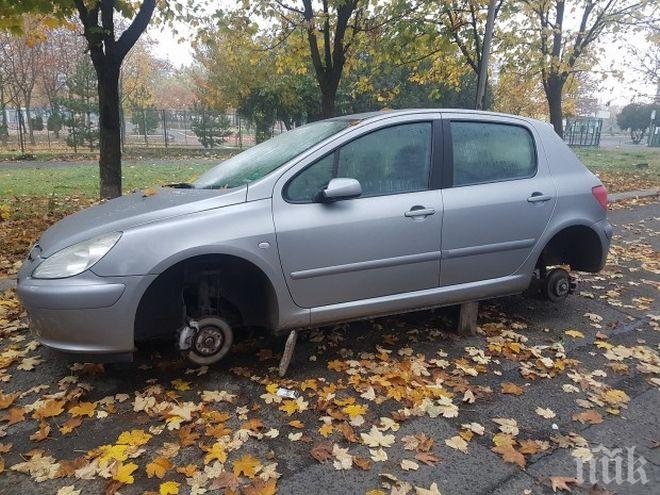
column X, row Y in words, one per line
column 68, row 131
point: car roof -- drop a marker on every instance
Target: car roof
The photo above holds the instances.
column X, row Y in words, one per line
column 371, row 116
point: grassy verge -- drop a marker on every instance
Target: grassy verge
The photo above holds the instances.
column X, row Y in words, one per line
column 623, row 170
column 84, row 181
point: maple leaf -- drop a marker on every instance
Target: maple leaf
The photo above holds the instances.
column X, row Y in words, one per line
column 246, row 465
column 531, row 447
column 507, row 425
column 5, row 447
column 322, row 451
column 375, row 438
column 83, row 409
column 348, row 432
column 124, row 473
column 562, row 483
column 326, row 430
column 432, row 490
column 135, row 438
column 188, row 470
column 42, row 433
column 590, row 416
column 7, row 400
column 296, row 424
column 187, row 436
column 362, row 463
column 217, row 451
column 158, row 467
column 70, row 425
column 457, row 443
column 28, row 364
column 289, row 407
column 427, row 458
column 546, row 413
column 112, row 452
column 378, row 455
column 68, row 490
column 149, row 192
column 168, row 488
column 261, row 487
column 343, row 460
column 50, row 409
column 510, row 455
column 511, row 388
column 294, row 437
column 574, row 333
column 354, row 410
column 408, row 465
column 180, row 385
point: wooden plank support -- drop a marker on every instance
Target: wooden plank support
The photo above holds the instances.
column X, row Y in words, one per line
column 467, row 320
column 287, row 354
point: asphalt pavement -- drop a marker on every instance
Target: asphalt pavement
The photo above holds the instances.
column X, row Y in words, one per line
column 620, row 303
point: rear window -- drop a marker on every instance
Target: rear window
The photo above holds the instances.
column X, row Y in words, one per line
column 489, row 152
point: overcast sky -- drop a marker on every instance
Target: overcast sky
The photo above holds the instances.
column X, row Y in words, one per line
column 614, row 91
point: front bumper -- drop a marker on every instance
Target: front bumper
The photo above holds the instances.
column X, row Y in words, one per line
column 85, row 314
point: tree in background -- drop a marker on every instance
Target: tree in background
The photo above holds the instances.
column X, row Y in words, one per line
column 107, row 49
column 21, row 59
column 539, row 34
column 636, row 117
column 211, row 128
column 79, row 106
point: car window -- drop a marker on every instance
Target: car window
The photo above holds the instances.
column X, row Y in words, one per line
column 262, row 159
column 393, row 160
column 489, row 152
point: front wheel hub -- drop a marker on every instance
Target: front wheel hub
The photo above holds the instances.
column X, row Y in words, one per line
column 206, row 341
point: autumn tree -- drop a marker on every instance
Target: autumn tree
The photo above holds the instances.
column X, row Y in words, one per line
column 107, row 47
column 546, row 37
column 20, row 63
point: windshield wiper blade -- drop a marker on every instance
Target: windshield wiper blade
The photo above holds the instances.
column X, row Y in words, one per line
column 180, row 185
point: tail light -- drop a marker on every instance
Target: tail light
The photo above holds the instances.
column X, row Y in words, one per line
column 600, row 193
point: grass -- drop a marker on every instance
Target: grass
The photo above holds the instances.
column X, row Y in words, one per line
column 83, row 181
column 621, row 170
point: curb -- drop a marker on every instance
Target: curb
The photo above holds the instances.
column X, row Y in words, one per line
column 642, row 193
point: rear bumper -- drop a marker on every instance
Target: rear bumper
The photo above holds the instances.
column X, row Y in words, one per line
column 85, row 314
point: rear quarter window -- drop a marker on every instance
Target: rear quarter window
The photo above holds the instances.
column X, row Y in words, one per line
column 491, row 152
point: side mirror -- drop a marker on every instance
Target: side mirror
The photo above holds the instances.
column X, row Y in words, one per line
column 340, row 188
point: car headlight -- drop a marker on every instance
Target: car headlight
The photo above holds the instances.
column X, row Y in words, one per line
column 77, row 258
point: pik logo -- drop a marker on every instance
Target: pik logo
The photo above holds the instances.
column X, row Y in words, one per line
column 620, row 465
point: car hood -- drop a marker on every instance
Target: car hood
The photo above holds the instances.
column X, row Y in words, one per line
column 133, row 210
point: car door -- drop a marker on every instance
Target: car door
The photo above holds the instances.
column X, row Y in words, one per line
column 387, row 241
column 498, row 200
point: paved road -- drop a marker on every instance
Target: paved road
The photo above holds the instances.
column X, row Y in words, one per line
column 623, row 296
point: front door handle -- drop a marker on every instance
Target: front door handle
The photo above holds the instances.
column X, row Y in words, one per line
column 538, row 197
column 419, row 211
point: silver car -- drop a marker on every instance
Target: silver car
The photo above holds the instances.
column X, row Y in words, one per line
column 342, row 219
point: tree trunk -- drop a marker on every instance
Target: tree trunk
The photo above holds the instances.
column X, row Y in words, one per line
column 28, row 114
column 109, row 130
column 553, row 91
column 328, row 96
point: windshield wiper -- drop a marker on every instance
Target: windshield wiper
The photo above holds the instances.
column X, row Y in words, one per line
column 180, row 185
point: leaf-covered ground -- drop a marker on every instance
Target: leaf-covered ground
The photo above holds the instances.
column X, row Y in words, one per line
column 395, row 405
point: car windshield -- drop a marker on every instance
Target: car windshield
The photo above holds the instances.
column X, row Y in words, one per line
column 260, row 160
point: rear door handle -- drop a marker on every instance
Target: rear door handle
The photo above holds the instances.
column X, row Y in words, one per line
column 419, row 211
column 538, row 197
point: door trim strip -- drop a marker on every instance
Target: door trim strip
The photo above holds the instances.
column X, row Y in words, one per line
column 487, row 248
column 366, row 265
